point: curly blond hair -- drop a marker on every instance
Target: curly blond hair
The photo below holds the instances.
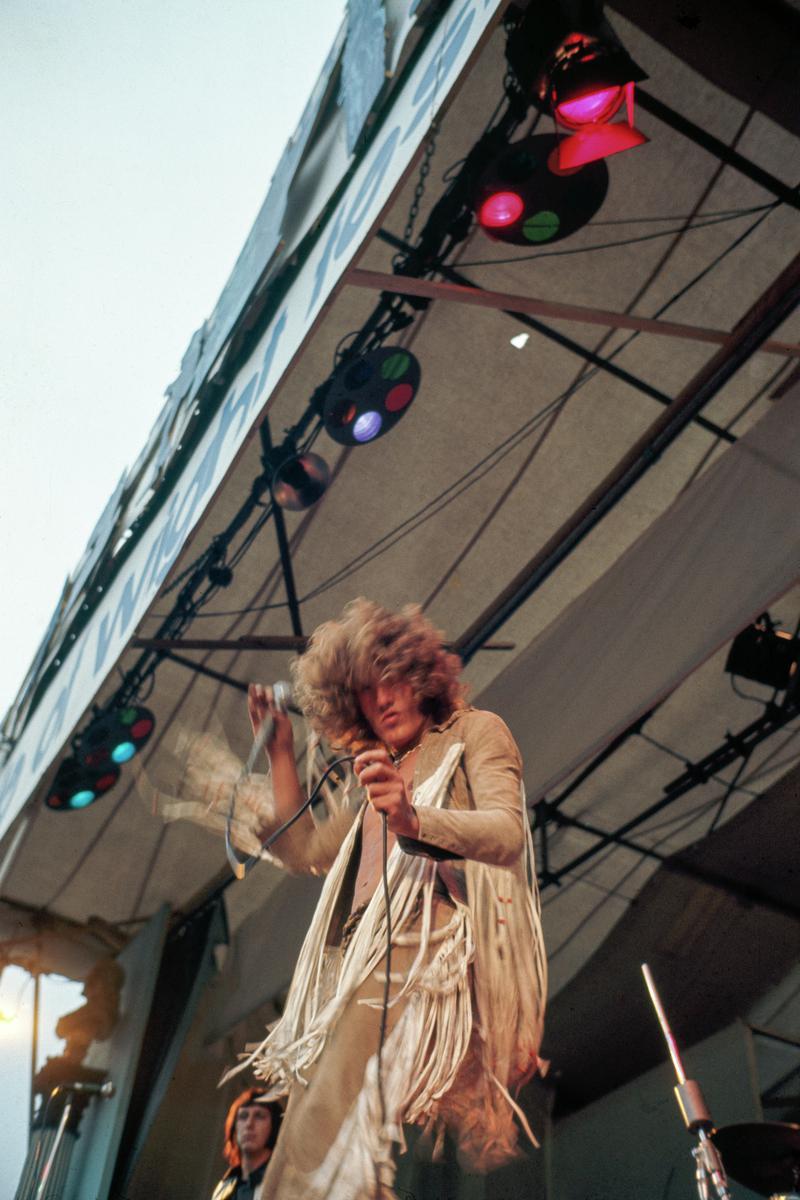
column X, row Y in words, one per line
column 369, row 643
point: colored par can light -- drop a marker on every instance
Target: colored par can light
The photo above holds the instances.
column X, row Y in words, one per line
column 115, row 736
column 368, row 395
column 522, row 200
column 77, row 785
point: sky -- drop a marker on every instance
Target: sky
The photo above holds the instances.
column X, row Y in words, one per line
column 138, row 140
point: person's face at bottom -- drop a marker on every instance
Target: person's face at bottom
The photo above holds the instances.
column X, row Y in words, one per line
column 253, row 1127
column 393, row 714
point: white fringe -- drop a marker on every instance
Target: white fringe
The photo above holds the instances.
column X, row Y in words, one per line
column 499, row 929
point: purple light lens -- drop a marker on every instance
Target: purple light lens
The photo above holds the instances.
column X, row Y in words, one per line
column 368, row 426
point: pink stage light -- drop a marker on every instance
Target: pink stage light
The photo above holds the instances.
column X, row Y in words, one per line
column 596, row 139
column 590, row 109
column 501, row 209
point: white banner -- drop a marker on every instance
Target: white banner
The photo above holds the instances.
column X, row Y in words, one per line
column 116, row 618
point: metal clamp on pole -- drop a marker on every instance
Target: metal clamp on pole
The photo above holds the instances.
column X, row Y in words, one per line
column 709, row 1171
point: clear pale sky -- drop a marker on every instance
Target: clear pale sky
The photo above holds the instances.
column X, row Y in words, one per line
column 137, row 141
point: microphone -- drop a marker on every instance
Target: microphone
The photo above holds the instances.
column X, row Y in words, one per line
column 106, row 1090
column 282, row 699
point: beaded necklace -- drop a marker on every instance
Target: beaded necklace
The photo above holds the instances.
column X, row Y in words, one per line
column 398, row 758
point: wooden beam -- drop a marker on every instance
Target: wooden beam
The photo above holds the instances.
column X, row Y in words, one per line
column 436, row 290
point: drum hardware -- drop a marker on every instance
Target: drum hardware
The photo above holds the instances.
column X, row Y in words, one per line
column 763, row 1156
column 709, row 1171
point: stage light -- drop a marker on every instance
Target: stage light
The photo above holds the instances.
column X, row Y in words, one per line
column 550, row 205
column 570, row 62
column 595, row 106
column 114, row 737
column 299, row 480
column 367, row 426
column 77, row 785
column 765, row 654
column 111, row 740
column 368, row 395
column 501, row 209
column 587, row 83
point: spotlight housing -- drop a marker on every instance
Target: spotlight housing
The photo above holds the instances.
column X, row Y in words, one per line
column 76, row 785
column 765, row 654
column 550, row 205
column 369, row 394
column 585, row 85
column 299, row 480
column 114, row 737
column 570, row 62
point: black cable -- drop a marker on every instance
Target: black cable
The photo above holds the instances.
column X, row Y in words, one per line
column 687, row 762
column 720, row 212
column 643, row 237
column 252, row 859
column 237, row 612
column 411, row 523
column 615, row 893
column 451, row 492
column 393, row 536
column 265, row 845
column 388, row 977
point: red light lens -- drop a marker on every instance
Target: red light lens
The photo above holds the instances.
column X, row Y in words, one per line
column 399, row 397
column 591, row 108
column 501, row 209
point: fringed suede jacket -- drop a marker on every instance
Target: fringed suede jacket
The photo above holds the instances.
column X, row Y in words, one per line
column 470, row 1031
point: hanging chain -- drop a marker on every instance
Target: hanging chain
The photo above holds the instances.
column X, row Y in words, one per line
column 419, row 190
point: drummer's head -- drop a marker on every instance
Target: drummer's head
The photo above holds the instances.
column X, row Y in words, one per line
column 251, row 1129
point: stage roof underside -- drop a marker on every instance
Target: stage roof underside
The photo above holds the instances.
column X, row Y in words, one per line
column 628, row 631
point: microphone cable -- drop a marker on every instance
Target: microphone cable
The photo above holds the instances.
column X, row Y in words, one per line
column 241, row 866
column 388, row 976
column 245, row 865
column 388, row 906
column 273, row 837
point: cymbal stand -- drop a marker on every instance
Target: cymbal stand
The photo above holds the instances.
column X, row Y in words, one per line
column 709, row 1171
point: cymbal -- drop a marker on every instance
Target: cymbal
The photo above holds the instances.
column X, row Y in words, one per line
column 764, row 1157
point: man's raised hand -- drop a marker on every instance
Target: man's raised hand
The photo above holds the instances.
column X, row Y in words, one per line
column 386, row 791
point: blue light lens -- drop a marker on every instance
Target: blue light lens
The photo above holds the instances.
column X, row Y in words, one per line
column 82, row 799
column 367, row 426
column 123, row 752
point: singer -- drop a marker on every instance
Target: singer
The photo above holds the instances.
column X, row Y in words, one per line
column 466, row 986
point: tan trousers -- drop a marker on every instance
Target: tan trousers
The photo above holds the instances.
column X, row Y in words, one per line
column 315, row 1112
